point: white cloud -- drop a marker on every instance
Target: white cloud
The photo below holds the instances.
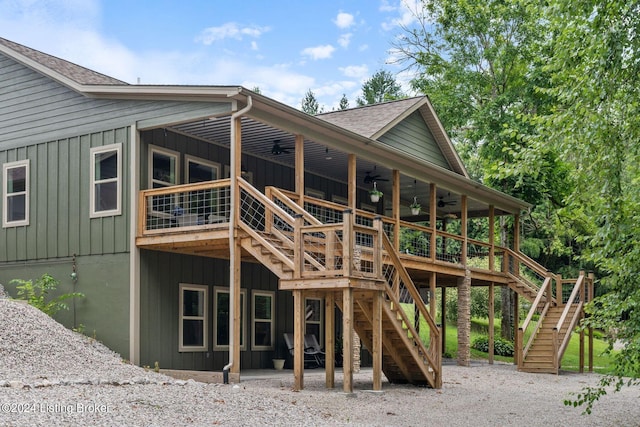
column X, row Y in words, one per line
column 355, row 71
column 230, row 30
column 344, row 40
column 407, row 10
column 344, row 20
column 319, row 52
column 254, row 45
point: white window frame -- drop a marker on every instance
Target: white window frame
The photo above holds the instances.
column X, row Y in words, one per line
column 94, row 213
column 193, row 159
column 254, row 321
column 181, row 317
column 243, row 316
column 5, row 193
column 319, row 322
column 150, row 180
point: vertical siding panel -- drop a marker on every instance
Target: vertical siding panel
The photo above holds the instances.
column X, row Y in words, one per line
column 121, row 231
column 52, row 196
column 62, row 226
column 27, row 237
column 82, row 217
column 42, row 202
column 96, row 229
column 72, row 220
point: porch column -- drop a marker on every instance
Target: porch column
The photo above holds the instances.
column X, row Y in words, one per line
column 492, row 243
column 464, row 319
column 433, row 222
column 234, row 246
column 352, row 184
column 329, row 339
column 463, row 228
column 376, row 351
column 432, row 300
column 443, row 317
column 491, row 319
column 299, row 169
column 395, row 209
column 298, row 340
column 347, row 340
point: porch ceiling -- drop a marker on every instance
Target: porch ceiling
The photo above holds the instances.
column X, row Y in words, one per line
column 328, row 161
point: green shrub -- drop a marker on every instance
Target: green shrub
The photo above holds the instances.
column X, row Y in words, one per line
column 37, row 294
column 501, row 347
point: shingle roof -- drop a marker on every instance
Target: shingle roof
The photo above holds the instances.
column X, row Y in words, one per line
column 370, row 119
column 77, row 73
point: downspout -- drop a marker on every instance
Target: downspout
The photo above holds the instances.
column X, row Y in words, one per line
column 232, row 226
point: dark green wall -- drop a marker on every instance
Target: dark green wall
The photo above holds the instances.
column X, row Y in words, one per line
column 103, row 279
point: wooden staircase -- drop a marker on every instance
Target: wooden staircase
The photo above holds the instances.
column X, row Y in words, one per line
column 543, row 351
column 549, row 336
column 272, row 241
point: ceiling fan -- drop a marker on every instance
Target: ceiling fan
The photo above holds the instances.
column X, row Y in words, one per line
column 442, row 203
column 277, row 149
column 368, row 178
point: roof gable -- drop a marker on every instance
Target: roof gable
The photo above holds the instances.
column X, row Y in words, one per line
column 69, row 70
column 381, row 122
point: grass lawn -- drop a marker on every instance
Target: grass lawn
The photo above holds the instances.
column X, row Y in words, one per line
column 570, row 361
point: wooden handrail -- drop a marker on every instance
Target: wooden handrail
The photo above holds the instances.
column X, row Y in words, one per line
column 533, row 265
column 572, row 298
column 183, row 188
column 406, row 278
column 536, row 302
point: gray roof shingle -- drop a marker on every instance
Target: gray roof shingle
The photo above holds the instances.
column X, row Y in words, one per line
column 77, row 73
column 369, row 119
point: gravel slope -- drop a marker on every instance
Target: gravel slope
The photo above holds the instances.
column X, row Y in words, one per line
column 50, row 376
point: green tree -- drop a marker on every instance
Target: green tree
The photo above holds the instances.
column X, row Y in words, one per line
column 593, row 59
column 475, row 61
column 381, row 87
column 310, row 104
column 344, row 103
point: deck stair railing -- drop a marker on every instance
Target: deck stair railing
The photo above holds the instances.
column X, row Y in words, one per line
column 408, row 305
column 570, row 317
column 537, row 307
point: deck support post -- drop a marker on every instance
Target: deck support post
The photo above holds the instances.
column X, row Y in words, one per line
column 299, row 168
column 377, row 340
column 491, row 322
column 464, row 319
column 352, row 184
column 591, row 277
column 443, row 317
column 516, row 326
column 298, row 340
column 329, row 339
column 347, row 340
column 492, row 240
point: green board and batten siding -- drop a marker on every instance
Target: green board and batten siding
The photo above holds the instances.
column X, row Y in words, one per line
column 411, row 129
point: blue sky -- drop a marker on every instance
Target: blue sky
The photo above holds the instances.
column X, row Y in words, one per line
column 282, row 47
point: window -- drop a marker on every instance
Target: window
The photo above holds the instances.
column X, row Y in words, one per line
column 164, row 171
column 15, row 193
column 262, row 320
column 202, row 203
column 105, row 180
column 313, row 317
column 193, row 318
column 221, row 301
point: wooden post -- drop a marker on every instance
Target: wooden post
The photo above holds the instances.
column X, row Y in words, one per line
column 298, row 340
column 516, row 324
column 396, row 209
column 463, row 228
column 299, row 168
column 590, row 296
column 329, row 339
column 432, row 300
column 492, row 243
column 443, row 318
column 559, row 290
column 377, row 340
column 352, row 184
column 583, row 295
column 347, row 242
column 298, row 244
column 433, row 221
column 235, row 245
column 347, row 340
column 491, row 322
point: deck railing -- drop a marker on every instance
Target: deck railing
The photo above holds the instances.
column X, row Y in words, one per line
column 575, row 303
column 184, row 207
column 207, row 205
